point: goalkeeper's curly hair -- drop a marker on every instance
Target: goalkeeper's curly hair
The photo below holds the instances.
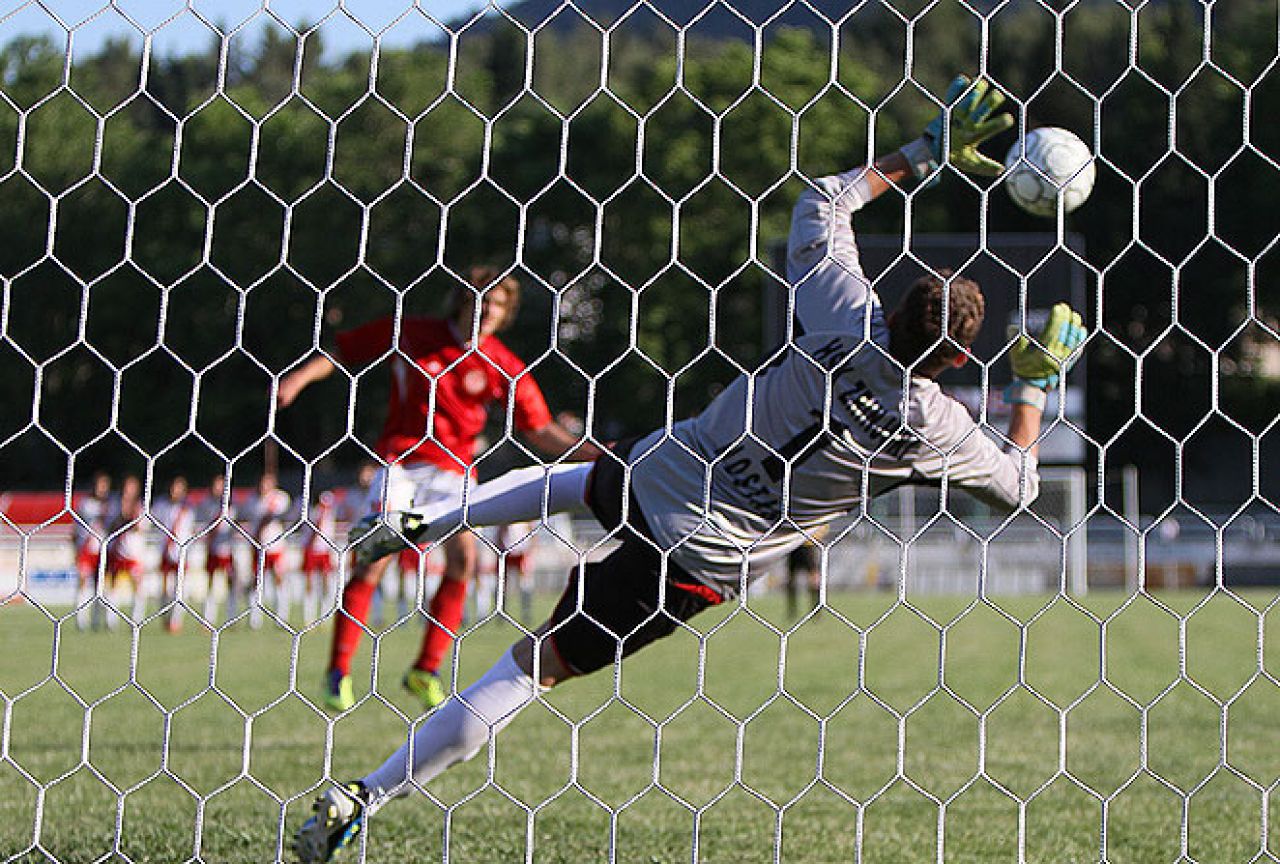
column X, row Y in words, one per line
column 917, row 338
column 480, row 279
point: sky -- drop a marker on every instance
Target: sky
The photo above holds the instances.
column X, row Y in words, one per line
column 178, row 29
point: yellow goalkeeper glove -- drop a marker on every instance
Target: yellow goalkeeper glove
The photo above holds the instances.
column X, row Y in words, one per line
column 1038, row 365
column 971, row 106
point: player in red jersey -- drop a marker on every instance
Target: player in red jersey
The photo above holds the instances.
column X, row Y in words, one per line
column 176, row 519
column 445, row 373
column 89, row 529
column 220, row 531
column 319, row 534
column 266, row 530
column 125, row 547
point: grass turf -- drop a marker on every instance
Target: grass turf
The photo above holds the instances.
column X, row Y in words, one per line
column 754, row 739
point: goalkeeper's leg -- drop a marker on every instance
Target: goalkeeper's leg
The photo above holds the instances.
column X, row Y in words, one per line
column 522, row 495
column 611, row 616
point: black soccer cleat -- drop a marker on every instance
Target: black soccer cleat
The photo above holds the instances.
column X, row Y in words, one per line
column 339, row 816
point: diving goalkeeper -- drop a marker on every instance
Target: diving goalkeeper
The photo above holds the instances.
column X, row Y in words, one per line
column 847, row 410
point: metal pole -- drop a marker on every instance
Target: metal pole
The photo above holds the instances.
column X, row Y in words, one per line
column 1133, row 528
column 1077, row 544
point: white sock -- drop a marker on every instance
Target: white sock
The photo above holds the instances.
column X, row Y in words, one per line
column 456, row 731
column 84, row 604
column 233, row 594
column 522, row 495
column 257, row 597
column 139, row 600
column 311, row 601
column 283, row 599
column 113, row 593
column 176, row 611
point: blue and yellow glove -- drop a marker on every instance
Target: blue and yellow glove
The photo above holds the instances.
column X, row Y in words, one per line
column 1038, row 365
column 971, row 106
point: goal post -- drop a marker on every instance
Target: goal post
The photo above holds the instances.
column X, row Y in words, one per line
column 196, row 197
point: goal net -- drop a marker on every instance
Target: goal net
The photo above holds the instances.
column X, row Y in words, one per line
column 195, row 197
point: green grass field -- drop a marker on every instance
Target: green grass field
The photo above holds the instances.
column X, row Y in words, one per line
column 789, row 747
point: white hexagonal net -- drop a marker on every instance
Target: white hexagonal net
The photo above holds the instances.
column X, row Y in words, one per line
column 197, row 196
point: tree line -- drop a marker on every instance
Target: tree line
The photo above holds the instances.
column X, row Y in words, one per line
column 224, row 216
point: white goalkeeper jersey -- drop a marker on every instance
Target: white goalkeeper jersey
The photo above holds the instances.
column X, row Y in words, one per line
column 827, row 424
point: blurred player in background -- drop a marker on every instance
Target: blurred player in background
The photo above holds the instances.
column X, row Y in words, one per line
column 176, row 520
column 517, row 546
column 89, row 532
column 319, row 537
column 265, row 521
column 849, row 409
column 219, row 520
column 803, row 568
column 125, row 548
column 445, row 373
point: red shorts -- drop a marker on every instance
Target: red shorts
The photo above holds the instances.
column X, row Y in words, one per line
column 87, row 560
column 167, row 567
column 121, row 564
column 517, row 560
column 317, row 561
column 214, row 563
column 269, row 560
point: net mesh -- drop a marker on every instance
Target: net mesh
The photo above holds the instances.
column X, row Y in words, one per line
column 197, row 195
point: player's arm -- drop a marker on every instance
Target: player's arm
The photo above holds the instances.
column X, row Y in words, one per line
column 968, row 118
column 1037, row 368
column 1024, row 427
column 316, row 369
column 1008, row 478
column 363, row 344
column 534, row 421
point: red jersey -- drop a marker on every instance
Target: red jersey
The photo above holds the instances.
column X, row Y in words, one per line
column 466, row 380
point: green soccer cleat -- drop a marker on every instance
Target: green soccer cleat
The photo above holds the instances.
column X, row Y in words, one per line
column 378, row 535
column 338, row 693
column 338, row 817
column 427, row 686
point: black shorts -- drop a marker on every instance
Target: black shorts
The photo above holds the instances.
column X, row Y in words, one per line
column 632, row 597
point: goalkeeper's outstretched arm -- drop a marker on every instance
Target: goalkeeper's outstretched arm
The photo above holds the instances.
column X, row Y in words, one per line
column 832, row 292
column 1038, row 367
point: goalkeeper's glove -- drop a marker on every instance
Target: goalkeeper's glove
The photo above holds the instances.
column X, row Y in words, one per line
column 1038, row 365
column 973, row 120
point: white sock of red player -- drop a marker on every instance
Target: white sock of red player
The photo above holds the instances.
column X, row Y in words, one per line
column 311, row 598
column 176, row 611
column 139, row 598
column 257, row 599
column 283, row 599
column 233, row 599
column 84, row 603
column 522, row 495
column 210, row 604
column 455, row 731
column 115, row 594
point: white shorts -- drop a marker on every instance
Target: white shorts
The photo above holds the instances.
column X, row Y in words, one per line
column 399, row 487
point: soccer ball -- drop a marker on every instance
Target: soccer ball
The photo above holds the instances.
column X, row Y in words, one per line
column 1054, row 162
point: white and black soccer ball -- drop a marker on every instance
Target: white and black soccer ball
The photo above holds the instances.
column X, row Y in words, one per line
column 1053, row 162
